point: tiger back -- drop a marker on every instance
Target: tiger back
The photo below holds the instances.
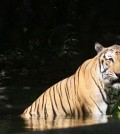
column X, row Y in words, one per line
column 83, row 93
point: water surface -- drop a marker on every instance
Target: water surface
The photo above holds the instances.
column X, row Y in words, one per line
column 15, row 124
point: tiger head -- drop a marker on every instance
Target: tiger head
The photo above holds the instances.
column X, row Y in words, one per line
column 109, row 64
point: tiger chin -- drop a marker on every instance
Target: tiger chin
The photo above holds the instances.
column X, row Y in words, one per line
column 85, row 92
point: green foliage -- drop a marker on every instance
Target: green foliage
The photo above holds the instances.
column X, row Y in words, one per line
column 114, row 102
column 116, row 109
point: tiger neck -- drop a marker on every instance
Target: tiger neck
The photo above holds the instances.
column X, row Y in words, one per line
column 98, row 86
column 90, row 87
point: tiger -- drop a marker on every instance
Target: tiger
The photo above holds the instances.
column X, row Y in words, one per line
column 85, row 92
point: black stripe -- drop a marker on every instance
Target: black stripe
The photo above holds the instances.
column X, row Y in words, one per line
column 96, row 105
column 67, row 94
column 43, row 100
column 99, row 89
column 70, row 81
column 66, row 88
column 79, row 74
column 78, row 111
column 60, row 83
column 85, row 107
column 35, row 105
column 62, row 104
column 45, row 112
column 79, row 99
column 54, row 112
column 86, row 66
column 54, row 97
column 30, row 110
column 38, row 109
column 100, row 64
column 88, row 108
column 74, row 85
column 101, row 61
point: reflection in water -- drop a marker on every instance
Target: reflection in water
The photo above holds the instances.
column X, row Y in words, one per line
column 49, row 123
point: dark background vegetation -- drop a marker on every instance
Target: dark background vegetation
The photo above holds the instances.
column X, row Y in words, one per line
column 44, row 41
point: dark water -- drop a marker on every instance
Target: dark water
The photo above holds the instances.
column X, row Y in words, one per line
column 15, row 124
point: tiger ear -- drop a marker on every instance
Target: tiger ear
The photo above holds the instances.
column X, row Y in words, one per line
column 98, row 47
